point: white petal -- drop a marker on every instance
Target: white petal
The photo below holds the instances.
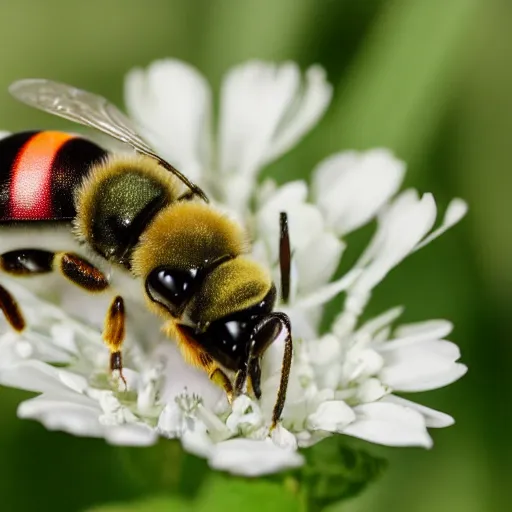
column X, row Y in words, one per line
column 245, row 417
column 170, row 421
column 371, row 390
column 420, row 331
column 433, row 418
column 389, row 424
column 197, row 441
column 381, row 321
column 317, row 261
column 182, row 378
column 327, row 292
column 307, row 112
column 40, row 377
column 304, row 220
column 131, row 435
column 58, row 414
column 171, row 101
column 405, row 223
column 333, row 416
column 352, row 187
column 263, row 113
column 456, row 210
column 422, row 366
column 325, row 350
column 251, row 458
column 284, row 438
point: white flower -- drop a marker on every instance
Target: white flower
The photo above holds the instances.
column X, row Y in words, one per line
column 342, row 382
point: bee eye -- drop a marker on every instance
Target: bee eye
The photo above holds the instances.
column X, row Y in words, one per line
column 171, row 287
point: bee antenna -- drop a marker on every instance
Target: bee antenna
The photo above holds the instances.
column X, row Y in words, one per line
column 192, row 186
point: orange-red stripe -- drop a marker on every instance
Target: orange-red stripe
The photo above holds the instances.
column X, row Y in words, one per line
column 31, row 188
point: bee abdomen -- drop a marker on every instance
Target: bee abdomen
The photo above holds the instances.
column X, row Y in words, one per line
column 39, row 173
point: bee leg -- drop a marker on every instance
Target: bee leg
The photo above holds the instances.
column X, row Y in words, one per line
column 284, row 257
column 241, row 379
column 263, row 335
column 11, row 310
column 255, row 376
column 80, row 272
column 16, row 263
column 216, row 375
column 31, row 262
column 113, row 335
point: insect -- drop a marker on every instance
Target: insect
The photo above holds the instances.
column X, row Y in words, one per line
column 139, row 213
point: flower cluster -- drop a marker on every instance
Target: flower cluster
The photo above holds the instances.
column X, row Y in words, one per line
column 342, row 381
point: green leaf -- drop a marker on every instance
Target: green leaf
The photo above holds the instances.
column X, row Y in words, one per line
column 231, row 494
column 336, row 470
column 163, row 468
column 159, row 504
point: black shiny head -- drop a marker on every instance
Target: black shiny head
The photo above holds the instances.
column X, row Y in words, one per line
column 228, row 339
column 171, row 288
column 123, row 207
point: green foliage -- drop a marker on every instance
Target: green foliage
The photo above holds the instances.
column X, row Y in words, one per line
column 163, row 468
column 237, row 494
column 336, row 471
column 220, row 493
column 160, row 504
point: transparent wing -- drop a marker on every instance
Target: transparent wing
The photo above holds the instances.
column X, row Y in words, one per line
column 89, row 110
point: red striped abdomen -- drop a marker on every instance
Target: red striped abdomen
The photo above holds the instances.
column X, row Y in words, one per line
column 39, row 173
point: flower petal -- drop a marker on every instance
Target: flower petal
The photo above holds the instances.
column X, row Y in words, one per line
column 33, row 375
column 262, row 115
column 184, row 378
column 171, row 102
column 401, row 227
column 382, row 321
column 58, row 414
column 420, row 331
column 325, row 251
column 433, row 418
column 251, row 458
column 308, row 109
column 456, row 210
column 333, row 416
column 305, row 221
column 423, row 366
column 351, row 187
column 131, row 435
column 389, row 424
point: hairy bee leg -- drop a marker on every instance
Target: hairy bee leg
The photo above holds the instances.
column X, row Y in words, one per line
column 80, row 272
column 284, row 256
column 27, row 262
column 216, row 375
column 114, row 333
column 30, row 262
column 240, row 380
column 11, row 310
column 264, row 334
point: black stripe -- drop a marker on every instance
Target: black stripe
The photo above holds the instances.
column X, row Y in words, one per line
column 71, row 165
column 9, row 150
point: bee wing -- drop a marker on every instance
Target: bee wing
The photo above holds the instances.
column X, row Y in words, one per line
column 92, row 111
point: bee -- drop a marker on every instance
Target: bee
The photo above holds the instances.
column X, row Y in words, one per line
column 138, row 213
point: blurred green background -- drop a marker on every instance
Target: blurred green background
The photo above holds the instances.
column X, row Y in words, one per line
column 431, row 79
